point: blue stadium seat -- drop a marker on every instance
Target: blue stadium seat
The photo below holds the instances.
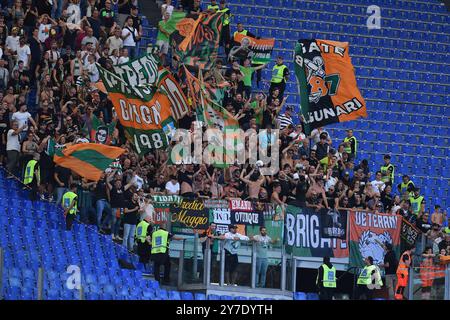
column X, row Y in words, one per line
column 213, row 297
column 312, row 296
column 300, row 296
column 187, row 296
column 200, row 296
column 174, row 295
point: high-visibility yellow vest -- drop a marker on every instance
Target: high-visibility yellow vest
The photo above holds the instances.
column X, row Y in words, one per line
column 141, row 231
column 243, row 32
column 447, row 230
column 416, row 204
column 67, row 200
column 349, row 148
column 404, row 186
column 277, row 73
column 226, row 16
column 211, row 7
column 384, row 170
column 329, row 277
column 365, row 277
column 160, row 241
column 29, row 172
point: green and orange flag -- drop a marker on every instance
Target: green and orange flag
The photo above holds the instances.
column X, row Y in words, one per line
column 143, row 109
column 89, row 160
column 195, row 40
column 327, row 83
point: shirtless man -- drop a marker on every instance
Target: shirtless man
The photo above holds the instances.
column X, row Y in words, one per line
column 10, row 97
column 254, row 181
column 186, row 178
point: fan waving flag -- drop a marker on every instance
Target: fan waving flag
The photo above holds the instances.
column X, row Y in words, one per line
column 195, row 41
column 143, row 108
column 89, row 160
column 327, row 84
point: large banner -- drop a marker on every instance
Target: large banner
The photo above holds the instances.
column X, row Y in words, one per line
column 195, row 42
column 189, row 216
column 243, row 212
column 161, row 204
column 327, row 83
column 143, row 111
column 259, row 51
column 304, row 234
column 368, row 232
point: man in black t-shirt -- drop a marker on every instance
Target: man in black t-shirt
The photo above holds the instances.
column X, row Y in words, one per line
column 390, row 265
column 101, row 203
column 117, row 201
column 130, row 220
column 158, row 185
column 63, row 178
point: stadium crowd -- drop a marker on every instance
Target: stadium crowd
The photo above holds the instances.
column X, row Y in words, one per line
column 49, row 50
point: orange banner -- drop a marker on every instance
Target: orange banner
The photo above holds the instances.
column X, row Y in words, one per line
column 141, row 115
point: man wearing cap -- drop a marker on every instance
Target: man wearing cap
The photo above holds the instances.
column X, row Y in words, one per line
column 231, row 247
column 137, row 22
column 11, row 45
column 285, row 119
column 280, row 75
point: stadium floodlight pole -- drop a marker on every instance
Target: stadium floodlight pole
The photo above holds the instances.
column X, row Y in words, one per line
column 2, row 260
column 40, row 284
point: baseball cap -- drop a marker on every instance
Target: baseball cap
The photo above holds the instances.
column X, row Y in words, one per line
column 347, row 173
column 296, row 176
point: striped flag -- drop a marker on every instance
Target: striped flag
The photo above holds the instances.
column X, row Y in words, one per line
column 89, row 160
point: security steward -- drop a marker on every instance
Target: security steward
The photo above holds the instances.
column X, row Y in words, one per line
column 368, row 280
column 160, row 252
column 213, row 6
column 387, row 171
column 32, row 177
column 417, row 202
column 403, row 272
column 225, row 40
column 143, row 238
column 69, row 205
column 326, row 280
column 280, row 75
column 350, row 144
